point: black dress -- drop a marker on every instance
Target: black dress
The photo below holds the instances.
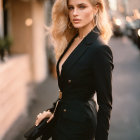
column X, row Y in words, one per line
column 86, row 71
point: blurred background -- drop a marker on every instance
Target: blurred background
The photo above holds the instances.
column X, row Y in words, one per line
column 28, row 81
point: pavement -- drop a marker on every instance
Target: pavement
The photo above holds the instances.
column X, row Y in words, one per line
column 43, row 95
column 125, row 117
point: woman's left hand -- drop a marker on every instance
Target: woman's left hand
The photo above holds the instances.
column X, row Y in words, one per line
column 41, row 116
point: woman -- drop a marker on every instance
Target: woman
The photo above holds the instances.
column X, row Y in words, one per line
column 80, row 31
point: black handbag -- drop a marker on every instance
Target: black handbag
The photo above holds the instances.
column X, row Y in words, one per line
column 43, row 130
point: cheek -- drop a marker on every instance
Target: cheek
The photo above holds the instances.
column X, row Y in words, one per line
column 88, row 15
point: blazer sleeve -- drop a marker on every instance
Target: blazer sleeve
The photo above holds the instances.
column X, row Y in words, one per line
column 102, row 66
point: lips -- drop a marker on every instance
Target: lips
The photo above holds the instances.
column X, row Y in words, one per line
column 76, row 20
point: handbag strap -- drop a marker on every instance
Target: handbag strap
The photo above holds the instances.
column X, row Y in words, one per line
column 55, row 106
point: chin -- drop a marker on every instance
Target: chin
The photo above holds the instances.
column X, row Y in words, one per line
column 78, row 26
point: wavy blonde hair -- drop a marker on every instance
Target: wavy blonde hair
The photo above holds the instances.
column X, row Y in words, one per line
column 61, row 32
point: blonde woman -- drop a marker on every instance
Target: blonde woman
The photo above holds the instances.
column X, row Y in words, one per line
column 80, row 31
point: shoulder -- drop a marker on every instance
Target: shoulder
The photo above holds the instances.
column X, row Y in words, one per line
column 99, row 47
column 100, row 53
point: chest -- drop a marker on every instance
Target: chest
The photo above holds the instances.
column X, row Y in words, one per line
column 77, row 72
column 68, row 53
column 74, row 67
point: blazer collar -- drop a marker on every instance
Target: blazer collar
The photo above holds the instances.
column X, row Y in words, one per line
column 92, row 35
column 78, row 51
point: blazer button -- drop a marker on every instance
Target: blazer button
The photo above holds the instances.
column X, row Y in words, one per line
column 69, row 81
column 65, row 110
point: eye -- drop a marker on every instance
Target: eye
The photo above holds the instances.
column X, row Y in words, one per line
column 82, row 7
column 70, row 7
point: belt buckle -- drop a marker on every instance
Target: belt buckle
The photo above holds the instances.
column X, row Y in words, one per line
column 60, row 94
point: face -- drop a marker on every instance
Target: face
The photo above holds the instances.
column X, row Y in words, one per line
column 81, row 12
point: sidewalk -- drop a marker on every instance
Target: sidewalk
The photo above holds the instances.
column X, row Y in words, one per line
column 43, row 97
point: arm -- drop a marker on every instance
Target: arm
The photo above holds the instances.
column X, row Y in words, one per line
column 102, row 72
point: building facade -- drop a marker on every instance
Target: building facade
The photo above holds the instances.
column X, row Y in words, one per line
column 24, row 21
column 127, row 6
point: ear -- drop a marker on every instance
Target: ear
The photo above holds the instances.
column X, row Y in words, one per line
column 95, row 9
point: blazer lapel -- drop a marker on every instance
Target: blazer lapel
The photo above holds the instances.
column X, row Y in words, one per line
column 57, row 64
column 78, row 51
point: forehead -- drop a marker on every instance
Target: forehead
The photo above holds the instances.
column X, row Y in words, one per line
column 77, row 2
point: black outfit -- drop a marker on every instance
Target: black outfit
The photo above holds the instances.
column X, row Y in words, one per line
column 87, row 70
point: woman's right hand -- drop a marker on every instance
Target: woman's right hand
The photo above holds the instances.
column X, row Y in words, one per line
column 41, row 116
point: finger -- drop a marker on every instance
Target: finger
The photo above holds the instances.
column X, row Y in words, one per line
column 49, row 113
column 44, row 111
column 39, row 115
column 38, row 122
column 50, row 118
column 46, row 114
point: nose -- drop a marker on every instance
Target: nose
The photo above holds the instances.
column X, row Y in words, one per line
column 75, row 12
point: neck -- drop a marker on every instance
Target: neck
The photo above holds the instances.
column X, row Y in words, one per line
column 85, row 30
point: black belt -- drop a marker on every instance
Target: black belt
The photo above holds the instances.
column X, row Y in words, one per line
column 78, row 95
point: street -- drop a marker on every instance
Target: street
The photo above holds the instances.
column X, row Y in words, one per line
column 125, row 118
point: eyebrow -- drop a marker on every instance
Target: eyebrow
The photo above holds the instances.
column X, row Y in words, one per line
column 77, row 4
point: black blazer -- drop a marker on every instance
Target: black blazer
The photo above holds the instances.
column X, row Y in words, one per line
column 87, row 70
